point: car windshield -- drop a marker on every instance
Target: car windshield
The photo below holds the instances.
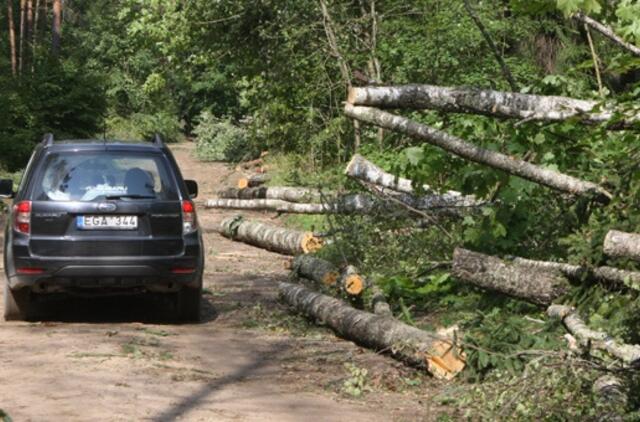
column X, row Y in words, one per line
column 100, row 175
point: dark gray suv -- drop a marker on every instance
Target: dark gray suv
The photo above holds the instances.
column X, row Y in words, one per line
column 102, row 217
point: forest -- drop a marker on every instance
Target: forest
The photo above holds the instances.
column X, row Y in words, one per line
column 524, row 112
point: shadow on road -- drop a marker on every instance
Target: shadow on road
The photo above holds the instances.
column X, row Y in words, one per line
column 194, row 400
column 147, row 308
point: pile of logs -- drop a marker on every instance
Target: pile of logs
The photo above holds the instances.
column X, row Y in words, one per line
column 390, row 192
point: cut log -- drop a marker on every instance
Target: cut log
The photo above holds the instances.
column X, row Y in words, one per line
column 540, row 286
column 349, row 204
column 612, row 394
column 316, row 269
column 362, row 169
column 378, row 301
column 607, row 32
column 486, row 102
column 284, row 193
column 621, row 244
column 629, row 354
column 461, row 148
column 437, row 354
column 631, row 279
column 253, row 181
column 277, row 239
column 352, row 282
column 610, row 275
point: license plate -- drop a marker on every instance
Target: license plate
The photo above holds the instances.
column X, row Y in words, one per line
column 107, row 222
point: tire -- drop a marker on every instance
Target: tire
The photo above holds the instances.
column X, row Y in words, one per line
column 190, row 303
column 17, row 304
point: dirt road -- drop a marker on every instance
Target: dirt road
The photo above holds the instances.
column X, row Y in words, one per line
column 115, row 359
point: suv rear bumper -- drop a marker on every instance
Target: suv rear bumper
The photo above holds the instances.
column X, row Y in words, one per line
column 121, row 272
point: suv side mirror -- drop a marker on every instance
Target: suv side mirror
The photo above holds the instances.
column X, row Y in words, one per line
column 6, row 188
column 192, row 188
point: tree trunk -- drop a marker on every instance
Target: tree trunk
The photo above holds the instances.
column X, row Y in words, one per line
column 630, row 279
column 253, row 181
column 621, row 244
column 351, row 282
column 34, row 41
column 437, row 354
column 322, row 272
column 284, row 193
column 612, row 394
column 56, row 28
column 378, row 301
column 486, row 102
column 12, row 38
column 276, row 239
column 607, row 32
column 461, row 148
column 540, row 287
column 629, row 354
column 23, row 16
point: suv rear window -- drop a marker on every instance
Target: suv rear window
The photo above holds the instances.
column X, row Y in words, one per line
column 98, row 175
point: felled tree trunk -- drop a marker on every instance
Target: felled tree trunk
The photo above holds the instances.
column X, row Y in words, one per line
column 629, row 354
column 253, row 181
column 540, row 287
column 611, row 275
column 622, row 244
column 362, row 169
column 348, row 204
column 437, row 354
column 284, row 193
column 607, row 32
column 352, row 282
column 461, row 148
column 485, row 102
column 378, row 301
column 316, row 269
column 277, row 239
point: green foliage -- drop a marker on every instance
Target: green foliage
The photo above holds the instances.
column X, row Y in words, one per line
column 220, row 139
column 356, row 384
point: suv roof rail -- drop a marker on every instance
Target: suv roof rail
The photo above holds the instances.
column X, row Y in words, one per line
column 157, row 140
column 47, row 139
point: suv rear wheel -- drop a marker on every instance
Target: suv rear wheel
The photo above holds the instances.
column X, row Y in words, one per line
column 189, row 303
column 18, row 305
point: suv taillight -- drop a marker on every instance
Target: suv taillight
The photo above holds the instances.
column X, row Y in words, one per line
column 22, row 217
column 189, row 222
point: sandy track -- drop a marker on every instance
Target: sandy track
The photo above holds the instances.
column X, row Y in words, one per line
column 116, row 358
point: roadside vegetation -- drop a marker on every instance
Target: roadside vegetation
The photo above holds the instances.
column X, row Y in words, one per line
column 241, row 78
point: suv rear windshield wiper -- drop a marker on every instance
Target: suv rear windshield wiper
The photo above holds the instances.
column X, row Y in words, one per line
column 130, row 197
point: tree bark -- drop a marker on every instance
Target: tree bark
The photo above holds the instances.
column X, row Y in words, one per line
column 540, row 287
column 284, row 193
column 56, row 29
column 607, row 32
column 322, row 272
column 486, row 102
column 276, row 239
column 437, row 354
column 253, row 181
column 461, row 148
column 629, row 354
column 621, row 244
column 630, row 279
column 12, row 38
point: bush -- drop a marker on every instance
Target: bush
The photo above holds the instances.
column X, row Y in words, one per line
column 220, row 139
column 144, row 126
